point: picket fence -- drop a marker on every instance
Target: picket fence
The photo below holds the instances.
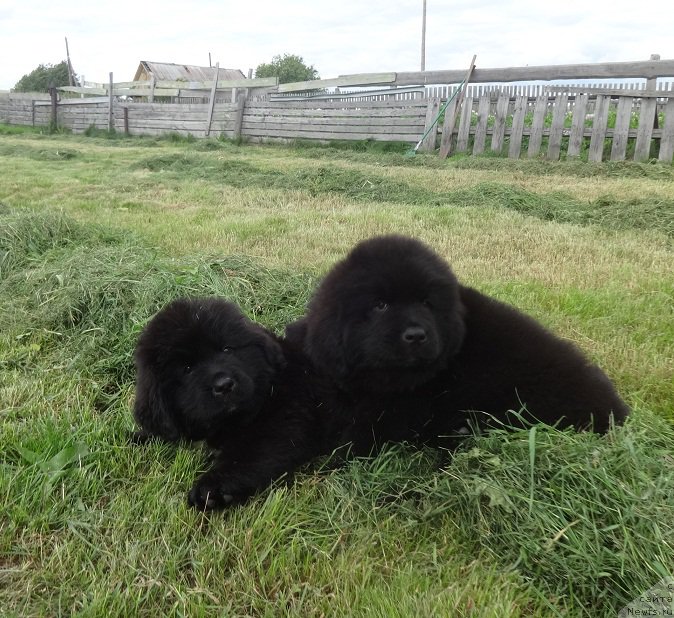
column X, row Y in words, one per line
column 613, row 121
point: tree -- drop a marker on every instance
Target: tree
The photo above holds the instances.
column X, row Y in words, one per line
column 288, row 68
column 44, row 76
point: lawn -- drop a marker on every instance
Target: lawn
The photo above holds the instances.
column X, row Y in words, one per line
column 96, row 234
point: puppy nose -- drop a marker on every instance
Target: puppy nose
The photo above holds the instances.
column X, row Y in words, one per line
column 414, row 334
column 222, row 385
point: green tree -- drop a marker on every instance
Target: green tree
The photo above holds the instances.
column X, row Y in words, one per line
column 39, row 80
column 288, row 68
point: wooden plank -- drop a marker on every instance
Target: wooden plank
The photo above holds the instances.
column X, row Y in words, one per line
column 498, row 132
column 451, row 114
column 577, row 125
column 667, row 138
column 463, row 135
column 557, row 126
column 346, row 96
column 481, row 129
column 642, row 149
column 536, row 134
column 448, row 127
column 411, row 104
column 416, row 115
column 413, row 127
column 622, row 128
column 331, row 135
column 410, row 132
column 599, row 121
column 518, row 125
column 361, row 79
column 608, row 70
column 432, row 110
column 613, row 92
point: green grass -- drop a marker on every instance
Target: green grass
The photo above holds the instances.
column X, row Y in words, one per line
column 97, row 233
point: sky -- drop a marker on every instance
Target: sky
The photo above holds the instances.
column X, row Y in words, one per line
column 337, row 38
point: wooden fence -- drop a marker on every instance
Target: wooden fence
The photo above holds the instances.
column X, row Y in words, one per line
column 597, row 120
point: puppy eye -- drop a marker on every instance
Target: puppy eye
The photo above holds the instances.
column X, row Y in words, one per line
column 381, row 306
column 227, row 350
column 188, row 369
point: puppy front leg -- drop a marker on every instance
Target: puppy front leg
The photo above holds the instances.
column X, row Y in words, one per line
column 219, row 487
column 236, row 476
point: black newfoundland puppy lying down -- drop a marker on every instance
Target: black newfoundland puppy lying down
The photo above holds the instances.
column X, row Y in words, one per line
column 206, row 372
column 415, row 355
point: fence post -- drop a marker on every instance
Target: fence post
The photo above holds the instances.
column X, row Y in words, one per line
column 111, row 124
column 53, row 123
column 126, row 120
column 211, row 105
column 648, row 120
column 238, row 118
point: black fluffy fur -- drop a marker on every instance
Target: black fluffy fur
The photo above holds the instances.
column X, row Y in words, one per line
column 206, row 372
column 414, row 355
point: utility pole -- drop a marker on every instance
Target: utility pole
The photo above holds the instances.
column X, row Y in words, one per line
column 423, row 38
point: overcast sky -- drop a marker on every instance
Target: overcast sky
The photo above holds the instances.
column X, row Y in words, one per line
column 347, row 36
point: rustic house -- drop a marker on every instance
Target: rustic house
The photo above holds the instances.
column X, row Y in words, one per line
column 168, row 71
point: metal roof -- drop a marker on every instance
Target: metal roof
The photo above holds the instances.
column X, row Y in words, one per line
column 169, row 71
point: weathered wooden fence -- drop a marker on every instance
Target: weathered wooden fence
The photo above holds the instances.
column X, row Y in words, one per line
column 614, row 121
column 641, row 125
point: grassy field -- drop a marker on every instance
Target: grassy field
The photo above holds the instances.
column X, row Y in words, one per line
column 96, row 234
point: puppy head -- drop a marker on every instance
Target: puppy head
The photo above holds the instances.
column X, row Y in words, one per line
column 201, row 364
column 387, row 318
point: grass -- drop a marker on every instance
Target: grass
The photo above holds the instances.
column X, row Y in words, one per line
column 536, row 522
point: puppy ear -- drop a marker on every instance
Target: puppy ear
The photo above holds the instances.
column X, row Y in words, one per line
column 151, row 409
column 296, row 332
column 324, row 344
column 273, row 353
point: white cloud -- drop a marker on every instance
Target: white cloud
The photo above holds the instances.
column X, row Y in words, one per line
column 350, row 36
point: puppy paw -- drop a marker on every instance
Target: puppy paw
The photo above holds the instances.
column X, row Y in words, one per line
column 209, row 493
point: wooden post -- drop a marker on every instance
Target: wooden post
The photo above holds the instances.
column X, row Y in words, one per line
column 648, row 120
column 238, row 118
column 126, row 120
column 250, row 76
column 153, row 82
column 71, row 73
column 111, row 121
column 212, row 102
column 652, row 84
column 53, row 93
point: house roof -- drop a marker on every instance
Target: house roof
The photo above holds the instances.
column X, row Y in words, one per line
column 169, row 71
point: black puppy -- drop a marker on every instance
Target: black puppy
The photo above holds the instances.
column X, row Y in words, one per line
column 414, row 355
column 206, row 372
